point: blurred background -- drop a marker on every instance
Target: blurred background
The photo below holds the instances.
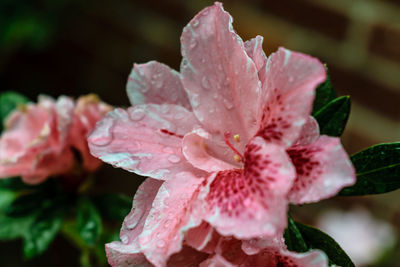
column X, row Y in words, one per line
column 76, row 47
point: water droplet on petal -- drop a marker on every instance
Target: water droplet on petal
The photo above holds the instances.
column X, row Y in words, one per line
column 228, row 104
column 131, row 225
column 125, row 239
column 205, row 83
column 192, row 43
column 137, row 114
column 195, row 23
column 105, row 136
column 160, row 243
column 174, row 158
column 215, row 96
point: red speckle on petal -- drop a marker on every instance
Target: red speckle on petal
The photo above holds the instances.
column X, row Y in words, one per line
column 306, row 165
column 171, row 133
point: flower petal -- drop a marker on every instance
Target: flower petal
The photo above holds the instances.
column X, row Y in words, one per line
column 156, row 83
column 291, row 80
column 127, row 252
column 88, row 111
column 323, row 168
column 216, row 261
column 255, row 51
column 145, row 139
column 252, row 202
column 309, row 132
column 199, row 151
column 169, row 218
column 199, row 237
column 219, row 77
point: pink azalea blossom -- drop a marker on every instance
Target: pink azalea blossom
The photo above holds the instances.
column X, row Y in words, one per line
column 38, row 138
column 235, row 124
column 156, row 218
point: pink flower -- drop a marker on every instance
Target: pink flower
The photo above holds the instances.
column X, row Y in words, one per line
column 38, row 139
column 155, row 229
column 234, row 125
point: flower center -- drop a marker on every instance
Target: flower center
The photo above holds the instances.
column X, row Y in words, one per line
column 238, row 157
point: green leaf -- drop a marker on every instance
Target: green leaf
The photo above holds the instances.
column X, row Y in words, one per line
column 332, row 117
column 325, row 93
column 42, row 231
column 11, row 228
column 25, row 205
column 378, row 170
column 113, row 207
column 89, row 221
column 13, row 184
column 293, row 238
column 319, row 240
column 8, row 102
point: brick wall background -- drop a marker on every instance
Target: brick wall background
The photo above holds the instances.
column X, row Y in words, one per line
column 89, row 46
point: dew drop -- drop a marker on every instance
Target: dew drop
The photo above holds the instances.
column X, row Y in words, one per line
column 228, row 104
column 205, row 83
column 160, row 243
column 137, row 114
column 125, row 239
column 203, row 60
column 195, row 23
column 130, row 226
column 174, row 158
column 141, row 71
column 215, row 96
column 167, row 223
column 227, row 81
column 193, row 43
column 105, row 136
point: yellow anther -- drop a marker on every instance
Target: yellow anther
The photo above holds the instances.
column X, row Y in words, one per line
column 237, row 138
column 237, row 158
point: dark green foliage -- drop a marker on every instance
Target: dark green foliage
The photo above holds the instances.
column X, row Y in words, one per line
column 300, row 238
column 8, row 102
column 88, row 221
column 378, row 170
column 113, row 207
column 42, row 231
column 324, row 94
column 293, row 238
column 332, row 117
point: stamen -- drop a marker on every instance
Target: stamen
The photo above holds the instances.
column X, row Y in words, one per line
column 238, row 157
column 237, row 138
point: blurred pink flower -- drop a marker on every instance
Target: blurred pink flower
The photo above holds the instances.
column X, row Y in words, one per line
column 38, row 138
column 235, row 124
column 362, row 236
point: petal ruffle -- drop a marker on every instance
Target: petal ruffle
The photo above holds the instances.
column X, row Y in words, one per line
column 200, row 152
column 255, row 51
column 156, row 83
column 251, row 202
column 290, row 84
column 157, row 229
column 218, row 75
column 309, row 132
column 323, row 168
column 145, row 139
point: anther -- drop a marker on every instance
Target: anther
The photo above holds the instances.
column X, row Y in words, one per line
column 237, row 138
column 237, row 158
